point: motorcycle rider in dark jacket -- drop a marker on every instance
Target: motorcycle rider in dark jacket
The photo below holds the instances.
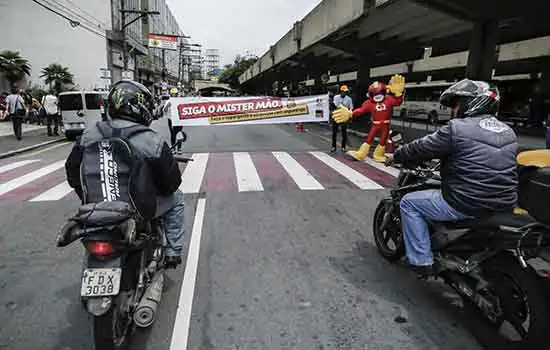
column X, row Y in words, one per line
column 131, row 104
column 478, row 168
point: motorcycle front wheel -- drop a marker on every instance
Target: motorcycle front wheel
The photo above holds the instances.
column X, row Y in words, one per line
column 387, row 232
column 112, row 330
column 523, row 312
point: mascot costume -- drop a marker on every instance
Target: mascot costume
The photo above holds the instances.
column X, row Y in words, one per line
column 381, row 100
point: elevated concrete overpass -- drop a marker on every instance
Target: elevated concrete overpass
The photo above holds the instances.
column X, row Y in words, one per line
column 210, row 86
column 356, row 40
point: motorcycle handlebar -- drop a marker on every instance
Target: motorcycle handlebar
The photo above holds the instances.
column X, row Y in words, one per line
column 422, row 170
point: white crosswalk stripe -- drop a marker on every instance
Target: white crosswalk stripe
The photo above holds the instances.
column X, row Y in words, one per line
column 30, row 177
column 387, row 169
column 352, row 175
column 248, row 179
column 278, row 170
column 194, row 173
column 55, row 193
column 16, row 165
column 301, row 176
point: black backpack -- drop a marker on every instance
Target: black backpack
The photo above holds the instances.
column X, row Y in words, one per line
column 111, row 170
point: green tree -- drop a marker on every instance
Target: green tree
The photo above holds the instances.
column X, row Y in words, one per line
column 14, row 66
column 232, row 72
column 57, row 76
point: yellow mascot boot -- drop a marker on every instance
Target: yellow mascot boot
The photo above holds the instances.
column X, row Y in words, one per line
column 379, row 154
column 361, row 153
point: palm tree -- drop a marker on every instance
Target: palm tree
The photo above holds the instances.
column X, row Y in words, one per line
column 57, row 75
column 14, row 66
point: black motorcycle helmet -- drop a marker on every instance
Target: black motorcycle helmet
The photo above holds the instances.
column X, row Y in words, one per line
column 472, row 98
column 131, row 101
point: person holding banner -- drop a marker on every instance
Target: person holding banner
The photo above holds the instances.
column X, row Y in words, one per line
column 380, row 103
column 344, row 100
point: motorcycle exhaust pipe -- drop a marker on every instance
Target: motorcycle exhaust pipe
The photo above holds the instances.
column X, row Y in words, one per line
column 146, row 311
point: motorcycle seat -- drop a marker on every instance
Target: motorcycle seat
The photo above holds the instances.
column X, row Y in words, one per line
column 493, row 221
column 104, row 214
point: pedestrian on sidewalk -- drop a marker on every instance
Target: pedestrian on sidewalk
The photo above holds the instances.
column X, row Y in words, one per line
column 341, row 99
column 17, row 111
column 34, row 111
column 49, row 102
column 3, row 106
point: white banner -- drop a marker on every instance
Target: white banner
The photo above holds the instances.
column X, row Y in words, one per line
column 160, row 41
column 190, row 111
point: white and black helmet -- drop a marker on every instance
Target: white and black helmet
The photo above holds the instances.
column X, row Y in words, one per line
column 472, row 98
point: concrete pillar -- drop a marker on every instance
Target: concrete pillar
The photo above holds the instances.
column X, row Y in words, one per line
column 482, row 55
column 359, row 93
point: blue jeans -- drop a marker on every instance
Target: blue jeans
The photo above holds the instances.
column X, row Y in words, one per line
column 171, row 209
column 416, row 209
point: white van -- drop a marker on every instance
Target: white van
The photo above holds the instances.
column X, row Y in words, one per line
column 79, row 109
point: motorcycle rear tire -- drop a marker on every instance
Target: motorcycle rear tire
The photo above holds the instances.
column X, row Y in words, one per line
column 104, row 334
column 389, row 254
column 507, row 267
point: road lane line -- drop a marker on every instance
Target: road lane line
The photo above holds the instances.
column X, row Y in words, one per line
column 387, row 169
column 247, row 175
column 297, row 172
column 194, row 173
column 182, row 323
column 30, row 177
column 352, row 175
column 55, row 193
column 16, row 165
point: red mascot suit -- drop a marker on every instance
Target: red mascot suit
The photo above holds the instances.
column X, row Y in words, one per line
column 380, row 103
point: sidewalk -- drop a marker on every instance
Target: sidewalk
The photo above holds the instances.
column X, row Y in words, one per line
column 6, row 128
column 33, row 137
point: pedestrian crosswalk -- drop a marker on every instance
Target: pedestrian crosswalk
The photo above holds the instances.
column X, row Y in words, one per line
column 37, row 180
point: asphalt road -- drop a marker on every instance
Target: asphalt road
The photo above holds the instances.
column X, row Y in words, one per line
column 279, row 267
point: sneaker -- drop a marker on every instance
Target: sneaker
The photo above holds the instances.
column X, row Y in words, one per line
column 333, row 149
column 344, row 149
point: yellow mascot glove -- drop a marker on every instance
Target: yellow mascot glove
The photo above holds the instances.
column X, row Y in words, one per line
column 342, row 114
column 396, row 85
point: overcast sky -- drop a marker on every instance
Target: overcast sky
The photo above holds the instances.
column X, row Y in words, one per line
column 238, row 26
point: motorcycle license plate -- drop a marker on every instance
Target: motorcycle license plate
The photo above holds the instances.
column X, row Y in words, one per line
column 100, row 282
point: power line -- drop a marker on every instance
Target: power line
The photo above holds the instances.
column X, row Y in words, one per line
column 68, row 11
column 87, row 13
column 72, row 22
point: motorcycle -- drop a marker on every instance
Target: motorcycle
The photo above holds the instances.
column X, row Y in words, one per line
column 123, row 272
column 492, row 262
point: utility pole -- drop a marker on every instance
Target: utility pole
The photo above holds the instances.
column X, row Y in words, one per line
column 182, row 57
column 124, row 25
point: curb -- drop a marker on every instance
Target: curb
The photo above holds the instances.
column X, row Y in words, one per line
column 28, row 148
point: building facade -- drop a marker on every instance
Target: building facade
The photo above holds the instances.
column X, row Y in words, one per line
column 88, row 37
column 43, row 38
